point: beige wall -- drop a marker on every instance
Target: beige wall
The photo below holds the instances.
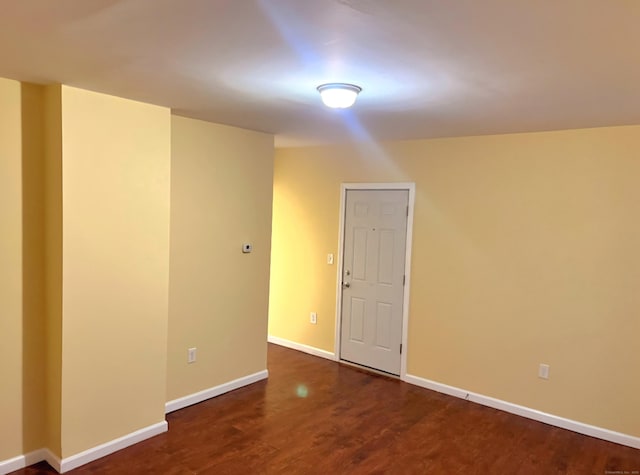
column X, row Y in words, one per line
column 524, row 252
column 221, row 195
column 22, row 307
column 115, row 267
column 52, row 112
column 33, row 288
column 10, row 270
column 84, row 281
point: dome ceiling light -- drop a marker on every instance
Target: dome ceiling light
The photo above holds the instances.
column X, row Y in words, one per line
column 338, row 95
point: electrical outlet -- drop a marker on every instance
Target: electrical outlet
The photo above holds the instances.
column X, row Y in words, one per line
column 543, row 371
column 191, row 355
column 313, row 318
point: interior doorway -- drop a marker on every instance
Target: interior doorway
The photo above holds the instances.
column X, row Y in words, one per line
column 373, row 279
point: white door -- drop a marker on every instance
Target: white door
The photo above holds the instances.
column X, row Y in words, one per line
column 375, row 230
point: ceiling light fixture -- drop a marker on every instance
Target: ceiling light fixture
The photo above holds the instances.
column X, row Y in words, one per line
column 338, row 95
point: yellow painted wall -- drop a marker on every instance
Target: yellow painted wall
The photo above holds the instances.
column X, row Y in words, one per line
column 525, row 251
column 52, row 112
column 84, row 275
column 221, row 196
column 115, row 267
column 22, row 310
column 33, row 268
column 10, row 270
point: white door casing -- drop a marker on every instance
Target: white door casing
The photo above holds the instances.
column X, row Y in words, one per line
column 373, row 277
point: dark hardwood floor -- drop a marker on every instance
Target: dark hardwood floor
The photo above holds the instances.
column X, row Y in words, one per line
column 315, row 416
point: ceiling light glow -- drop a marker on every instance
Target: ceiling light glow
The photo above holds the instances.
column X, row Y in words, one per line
column 339, row 95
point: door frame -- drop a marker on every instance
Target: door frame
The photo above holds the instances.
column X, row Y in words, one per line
column 411, row 188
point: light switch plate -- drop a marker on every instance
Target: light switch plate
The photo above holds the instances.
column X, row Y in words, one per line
column 543, row 371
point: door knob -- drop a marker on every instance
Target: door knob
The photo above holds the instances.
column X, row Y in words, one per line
column 346, row 285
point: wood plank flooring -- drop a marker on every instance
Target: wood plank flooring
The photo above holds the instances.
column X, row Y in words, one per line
column 314, row 416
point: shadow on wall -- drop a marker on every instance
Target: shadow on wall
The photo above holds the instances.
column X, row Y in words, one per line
column 33, row 285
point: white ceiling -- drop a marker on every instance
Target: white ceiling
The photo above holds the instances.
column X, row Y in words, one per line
column 428, row 68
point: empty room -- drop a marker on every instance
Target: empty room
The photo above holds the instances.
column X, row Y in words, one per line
column 319, row 237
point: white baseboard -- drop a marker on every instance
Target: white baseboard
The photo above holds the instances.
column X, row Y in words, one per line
column 12, row 464
column 41, row 455
column 51, row 459
column 200, row 396
column 82, row 458
column 22, row 461
column 94, row 453
column 300, row 347
column 579, row 427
